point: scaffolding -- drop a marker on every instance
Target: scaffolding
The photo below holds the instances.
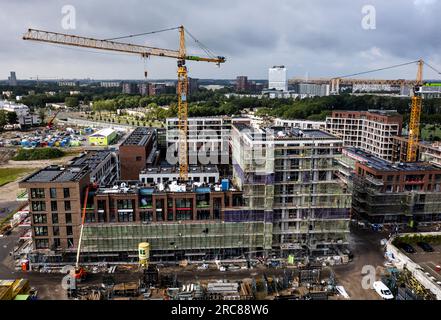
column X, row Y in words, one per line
column 193, row 241
column 372, row 202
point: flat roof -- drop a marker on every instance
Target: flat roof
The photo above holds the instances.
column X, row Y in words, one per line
column 58, row 174
column 384, row 165
column 91, row 159
column 139, row 137
column 77, row 168
column 103, row 132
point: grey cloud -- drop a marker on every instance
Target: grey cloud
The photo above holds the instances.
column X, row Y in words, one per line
column 321, row 37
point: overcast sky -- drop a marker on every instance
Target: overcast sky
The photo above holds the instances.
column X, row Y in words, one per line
column 318, row 38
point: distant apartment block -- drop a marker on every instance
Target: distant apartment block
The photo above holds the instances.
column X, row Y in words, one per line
column 371, row 131
column 12, row 79
column 242, row 84
column 24, row 117
column 110, row 84
column 129, row 88
column 68, row 83
column 312, row 90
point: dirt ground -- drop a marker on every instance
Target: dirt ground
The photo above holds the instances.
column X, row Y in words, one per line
column 366, row 248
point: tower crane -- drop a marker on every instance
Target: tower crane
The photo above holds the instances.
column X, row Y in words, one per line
column 415, row 115
column 144, row 51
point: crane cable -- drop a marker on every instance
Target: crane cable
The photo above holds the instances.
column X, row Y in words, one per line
column 376, row 70
column 199, row 43
column 141, row 34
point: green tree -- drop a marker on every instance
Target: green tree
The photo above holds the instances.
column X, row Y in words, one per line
column 71, row 102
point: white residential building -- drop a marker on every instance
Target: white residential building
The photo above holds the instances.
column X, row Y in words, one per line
column 22, row 111
column 371, row 131
column 300, row 124
column 277, row 78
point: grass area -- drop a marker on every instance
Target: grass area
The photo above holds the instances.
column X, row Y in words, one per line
column 11, row 174
column 38, row 154
column 126, row 119
column 431, row 132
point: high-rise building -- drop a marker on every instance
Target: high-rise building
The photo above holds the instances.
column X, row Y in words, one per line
column 129, row 88
column 277, row 78
column 242, row 84
column 143, row 89
column 371, row 131
column 156, row 89
column 12, row 79
column 290, row 177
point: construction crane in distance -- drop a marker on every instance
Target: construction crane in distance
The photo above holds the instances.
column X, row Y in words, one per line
column 144, row 51
column 416, row 106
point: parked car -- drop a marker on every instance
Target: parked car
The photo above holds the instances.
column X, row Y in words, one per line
column 425, row 246
column 407, row 247
column 382, row 290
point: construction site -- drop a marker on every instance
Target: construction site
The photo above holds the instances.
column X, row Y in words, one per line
column 268, row 217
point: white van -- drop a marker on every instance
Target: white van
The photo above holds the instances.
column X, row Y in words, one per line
column 382, row 290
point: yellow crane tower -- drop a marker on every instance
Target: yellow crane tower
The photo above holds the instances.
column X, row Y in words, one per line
column 143, row 51
column 415, row 115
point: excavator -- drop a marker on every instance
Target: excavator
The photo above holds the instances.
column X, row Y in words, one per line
column 50, row 123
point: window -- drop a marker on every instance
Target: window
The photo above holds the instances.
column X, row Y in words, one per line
column 54, row 218
column 69, row 230
column 40, row 231
column 125, row 217
column 54, row 206
column 57, row 242
column 56, row 231
column 53, row 193
column 125, row 204
column 37, row 193
column 138, row 158
column 38, row 206
column 68, row 218
column 146, row 216
column 42, row 243
column 67, row 206
column 90, row 217
column 66, row 192
column 40, row 218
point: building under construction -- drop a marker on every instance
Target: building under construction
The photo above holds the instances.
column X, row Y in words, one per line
column 401, row 193
column 285, row 197
column 289, row 176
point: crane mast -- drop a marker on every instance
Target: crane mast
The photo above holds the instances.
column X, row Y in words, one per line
column 143, row 51
column 415, row 115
